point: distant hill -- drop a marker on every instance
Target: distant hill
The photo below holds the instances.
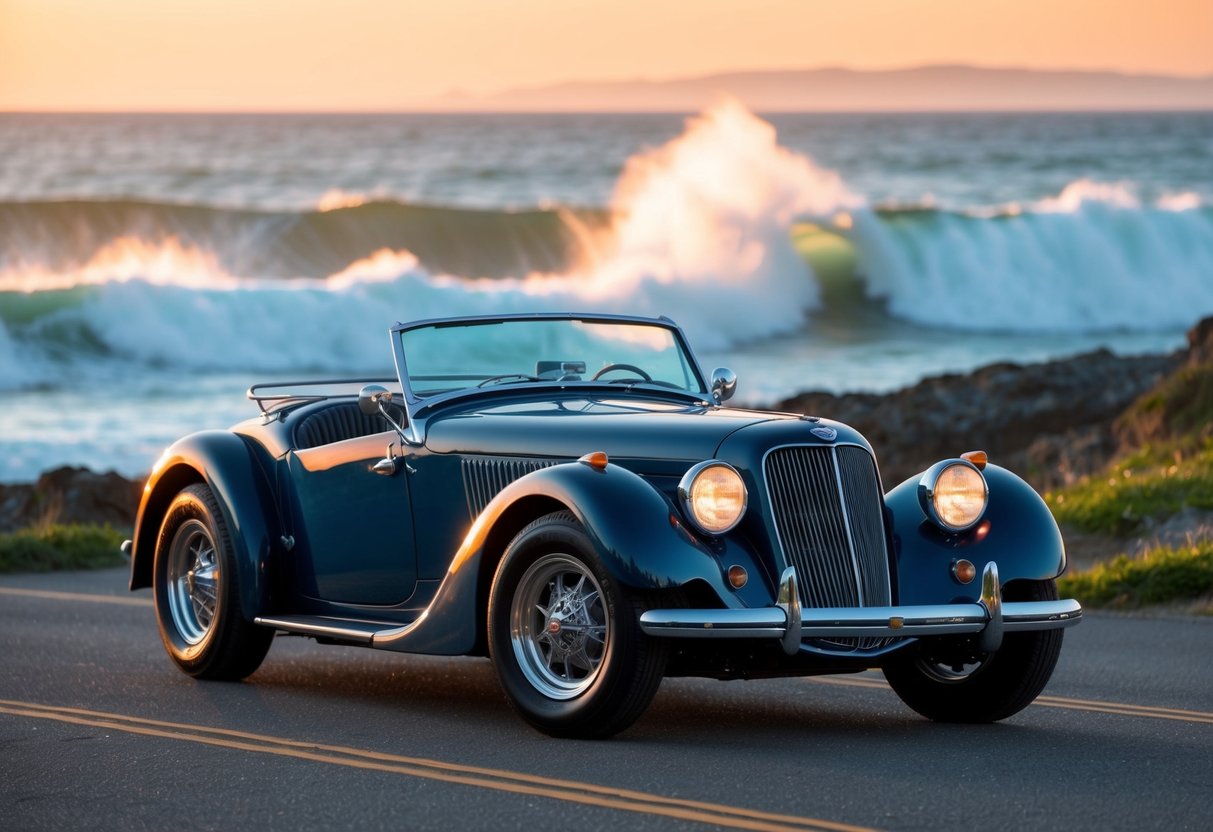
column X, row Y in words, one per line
column 932, row 88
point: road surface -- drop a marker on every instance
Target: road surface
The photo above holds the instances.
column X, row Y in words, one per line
column 99, row 731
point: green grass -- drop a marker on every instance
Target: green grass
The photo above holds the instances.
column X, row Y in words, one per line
column 1179, row 410
column 1160, row 576
column 57, row 546
column 1172, row 428
column 1147, row 487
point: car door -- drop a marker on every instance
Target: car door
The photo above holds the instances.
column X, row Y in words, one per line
column 353, row 524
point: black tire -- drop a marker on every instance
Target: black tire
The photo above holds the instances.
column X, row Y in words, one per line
column 597, row 672
column 948, row 684
column 197, row 592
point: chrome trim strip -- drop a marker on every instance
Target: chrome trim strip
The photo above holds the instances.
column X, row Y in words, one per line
column 359, row 631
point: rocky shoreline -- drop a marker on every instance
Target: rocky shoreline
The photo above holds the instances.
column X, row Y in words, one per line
column 71, row 495
column 1051, row 422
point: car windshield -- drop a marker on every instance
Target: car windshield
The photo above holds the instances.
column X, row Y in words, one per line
column 446, row 357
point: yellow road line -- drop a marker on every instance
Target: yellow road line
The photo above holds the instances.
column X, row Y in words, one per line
column 495, row 779
column 1097, row 706
column 95, row 598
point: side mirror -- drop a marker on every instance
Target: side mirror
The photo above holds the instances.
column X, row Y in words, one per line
column 724, row 384
column 373, row 398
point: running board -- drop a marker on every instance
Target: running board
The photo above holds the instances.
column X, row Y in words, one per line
column 327, row 626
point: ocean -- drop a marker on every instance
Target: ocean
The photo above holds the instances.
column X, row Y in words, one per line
column 153, row 266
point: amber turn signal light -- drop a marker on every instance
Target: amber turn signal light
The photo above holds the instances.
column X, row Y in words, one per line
column 596, row 460
column 978, row 458
column 738, row 576
column 964, row 571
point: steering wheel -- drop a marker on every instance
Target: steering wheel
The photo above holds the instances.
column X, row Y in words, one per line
column 631, row 368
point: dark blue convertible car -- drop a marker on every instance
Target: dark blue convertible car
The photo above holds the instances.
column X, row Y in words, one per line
column 568, row 495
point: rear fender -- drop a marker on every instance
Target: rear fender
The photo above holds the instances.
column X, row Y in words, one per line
column 225, row 462
column 1017, row 532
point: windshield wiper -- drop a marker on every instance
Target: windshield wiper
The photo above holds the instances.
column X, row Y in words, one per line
column 508, row 378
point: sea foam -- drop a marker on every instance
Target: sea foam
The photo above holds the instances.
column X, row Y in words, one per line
column 1091, row 259
column 698, row 229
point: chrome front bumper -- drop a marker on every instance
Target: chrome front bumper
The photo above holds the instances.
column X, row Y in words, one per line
column 786, row 621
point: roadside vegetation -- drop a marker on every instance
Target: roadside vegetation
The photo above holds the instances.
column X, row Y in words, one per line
column 57, row 546
column 1170, row 470
column 1160, row 576
column 1139, row 491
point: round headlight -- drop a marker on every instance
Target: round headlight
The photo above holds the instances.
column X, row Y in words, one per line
column 713, row 496
column 954, row 494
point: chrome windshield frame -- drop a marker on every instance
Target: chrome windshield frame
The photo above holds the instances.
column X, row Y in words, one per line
column 419, row 408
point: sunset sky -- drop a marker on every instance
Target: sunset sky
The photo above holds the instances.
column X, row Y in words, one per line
column 380, row 55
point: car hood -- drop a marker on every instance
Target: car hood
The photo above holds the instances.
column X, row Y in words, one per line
column 631, row 427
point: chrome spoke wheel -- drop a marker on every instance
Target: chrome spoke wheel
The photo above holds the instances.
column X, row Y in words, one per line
column 952, row 672
column 193, row 581
column 559, row 627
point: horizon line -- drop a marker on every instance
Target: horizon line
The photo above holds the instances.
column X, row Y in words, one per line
column 452, row 111
column 480, row 103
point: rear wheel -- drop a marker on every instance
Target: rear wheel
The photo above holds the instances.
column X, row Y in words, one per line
column 564, row 635
column 953, row 682
column 197, row 592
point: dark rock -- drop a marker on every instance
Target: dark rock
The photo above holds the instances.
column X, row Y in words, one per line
column 1050, row 422
column 1200, row 342
column 71, row 495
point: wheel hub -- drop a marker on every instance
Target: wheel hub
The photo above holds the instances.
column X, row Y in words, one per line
column 193, row 580
column 559, row 626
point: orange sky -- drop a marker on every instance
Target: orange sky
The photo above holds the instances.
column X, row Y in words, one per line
column 390, row 54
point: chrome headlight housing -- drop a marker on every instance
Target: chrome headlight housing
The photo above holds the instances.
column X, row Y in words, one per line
column 713, row 496
column 954, row 494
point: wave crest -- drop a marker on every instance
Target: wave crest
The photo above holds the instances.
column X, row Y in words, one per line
column 698, row 229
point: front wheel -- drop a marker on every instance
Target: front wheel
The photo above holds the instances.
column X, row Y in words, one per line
column 197, row 594
column 948, row 683
column 564, row 635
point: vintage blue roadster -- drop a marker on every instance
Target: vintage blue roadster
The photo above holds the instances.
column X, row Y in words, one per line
column 568, row 495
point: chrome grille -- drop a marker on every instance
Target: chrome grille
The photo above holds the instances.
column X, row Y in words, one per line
column 828, row 511
column 485, row 477
column 865, row 508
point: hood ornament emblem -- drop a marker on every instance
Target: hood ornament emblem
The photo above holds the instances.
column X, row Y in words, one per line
column 824, row 433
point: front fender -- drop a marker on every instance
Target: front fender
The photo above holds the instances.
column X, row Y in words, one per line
column 1017, row 532
column 224, row 462
column 636, row 533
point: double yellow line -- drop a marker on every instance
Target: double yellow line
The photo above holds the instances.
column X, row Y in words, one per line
column 1095, row 706
column 90, row 597
column 500, row 780
column 1051, row 702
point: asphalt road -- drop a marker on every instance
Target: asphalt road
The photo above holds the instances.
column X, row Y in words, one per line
column 99, row 731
